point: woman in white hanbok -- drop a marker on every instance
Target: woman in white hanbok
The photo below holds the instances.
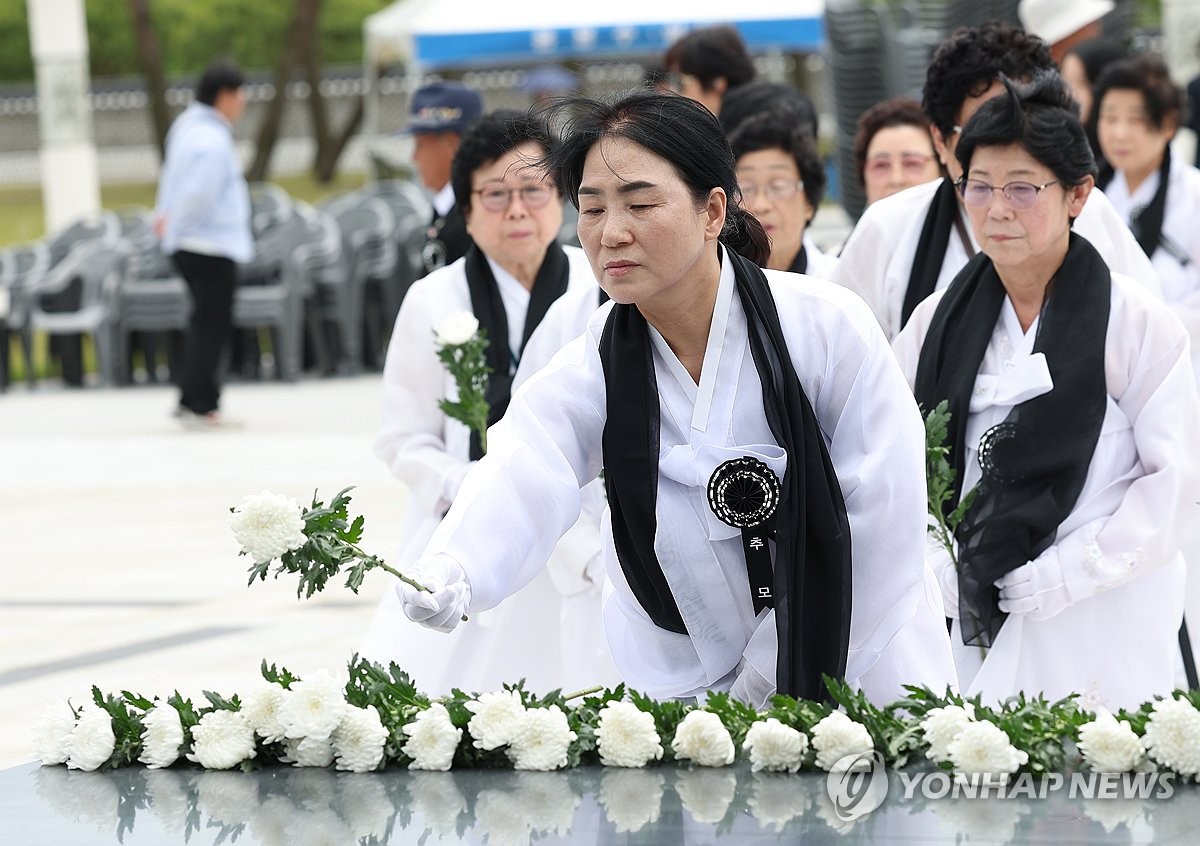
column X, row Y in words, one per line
column 550, row 634
column 709, row 391
column 1074, row 419
column 1157, row 194
column 782, row 180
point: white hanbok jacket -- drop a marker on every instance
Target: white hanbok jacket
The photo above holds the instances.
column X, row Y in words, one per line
column 878, row 256
column 526, row 492
column 1180, row 277
column 1116, row 644
column 820, row 264
column 429, row 453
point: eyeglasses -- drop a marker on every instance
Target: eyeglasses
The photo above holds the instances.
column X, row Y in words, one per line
column 776, row 189
column 499, row 199
column 1020, row 195
column 881, row 166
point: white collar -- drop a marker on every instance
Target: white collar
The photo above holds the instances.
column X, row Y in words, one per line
column 443, row 200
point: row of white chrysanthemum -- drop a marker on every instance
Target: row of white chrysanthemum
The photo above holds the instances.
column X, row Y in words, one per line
column 317, row 727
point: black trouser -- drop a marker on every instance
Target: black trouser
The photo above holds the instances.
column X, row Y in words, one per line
column 211, row 280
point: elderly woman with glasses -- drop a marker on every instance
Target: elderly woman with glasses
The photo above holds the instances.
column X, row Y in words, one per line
column 893, row 149
column 1074, row 413
column 513, row 272
column 781, row 180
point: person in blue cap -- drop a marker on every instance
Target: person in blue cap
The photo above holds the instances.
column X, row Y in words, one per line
column 441, row 112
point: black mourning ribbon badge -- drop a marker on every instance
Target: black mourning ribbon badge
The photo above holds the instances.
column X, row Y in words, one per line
column 744, row 493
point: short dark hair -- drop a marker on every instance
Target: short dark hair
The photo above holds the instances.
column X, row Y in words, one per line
column 711, row 52
column 675, row 128
column 970, row 60
column 1149, row 76
column 777, row 130
column 1096, row 54
column 492, row 136
column 750, row 99
column 220, row 76
column 1041, row 117
column 898, row 111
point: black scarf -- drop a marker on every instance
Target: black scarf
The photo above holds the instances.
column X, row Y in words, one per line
column 800, row 262
column 942, row 217
column 812, row 575
column 1035, row 462
column 1147, row 222
column 550, row 284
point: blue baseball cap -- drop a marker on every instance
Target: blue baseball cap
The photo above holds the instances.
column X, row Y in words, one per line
column 443, row 107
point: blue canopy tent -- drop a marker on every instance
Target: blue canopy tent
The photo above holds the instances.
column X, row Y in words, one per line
column 429, row 35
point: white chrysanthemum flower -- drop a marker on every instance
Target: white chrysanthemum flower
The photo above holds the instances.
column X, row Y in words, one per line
column 626, row 736
column 1109, row 745
column 163, row 736
column 223, row 797
column 631, row 798
column 775, row 747
column 432, row 739
column 496, row 718
column 456, row 329
column 542, row 739
column 268, row 525
column 982, row 748
column 307, row 752
column 51, row 734
column 222, row 739
column 1173, row 736
column 836, row 738
column 942, row 725
column 359, row 739
column 365, row 804
column 777, row 801
column 706, row 794
column 262, row 707
column 313, row 706
column 92, row 739
column 702, row 737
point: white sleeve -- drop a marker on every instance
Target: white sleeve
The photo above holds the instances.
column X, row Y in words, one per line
column 1159, row 508
column 411, row 440
column 524, row 494
column 876, row 443
column 1103, row 227
column 863, row 263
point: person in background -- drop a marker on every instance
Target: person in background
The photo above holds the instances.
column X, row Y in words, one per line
column 512, row 273
column 1063, row 24
column 203, row 220
column 707, row 63
column 1073, row 418
column 1081, row 67
column 913, row 243
column 753, row 98
column 706, row 375
column 782, row 180
column 892, row 148
column 441, row 112
column 1138, row 110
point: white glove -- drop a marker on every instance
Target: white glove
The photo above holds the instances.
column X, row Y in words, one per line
column 1036, row 589
column 947, row 577
column 449, row 593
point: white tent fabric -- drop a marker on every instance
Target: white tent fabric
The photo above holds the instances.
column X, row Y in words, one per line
column 437, row 33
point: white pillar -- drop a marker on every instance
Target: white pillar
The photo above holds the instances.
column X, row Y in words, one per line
column 70, row 175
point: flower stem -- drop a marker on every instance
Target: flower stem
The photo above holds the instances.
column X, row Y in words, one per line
column 587, row 691
column 379, row 562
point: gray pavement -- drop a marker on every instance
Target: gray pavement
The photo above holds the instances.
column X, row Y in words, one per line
column 118, row 565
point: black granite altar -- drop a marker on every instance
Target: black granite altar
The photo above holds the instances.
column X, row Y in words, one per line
column 591, row 805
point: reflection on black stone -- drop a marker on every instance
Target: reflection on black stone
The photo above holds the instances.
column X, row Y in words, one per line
column 589, row 805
